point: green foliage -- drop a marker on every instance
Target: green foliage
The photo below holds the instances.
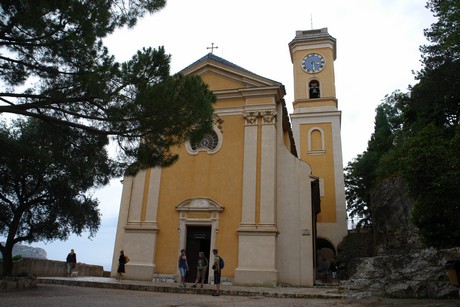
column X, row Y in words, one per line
column 424, row 141
column 46, row 174
column 444, row 35
column 17, row 257
column 56, row 72
column 432, row 170
column 435, row 98
column 54, row 67
column 358, row 190
column 362, row 173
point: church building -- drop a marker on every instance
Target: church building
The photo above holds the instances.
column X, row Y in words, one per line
column 265, row 188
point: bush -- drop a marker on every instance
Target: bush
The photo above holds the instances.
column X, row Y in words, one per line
column 17, row 257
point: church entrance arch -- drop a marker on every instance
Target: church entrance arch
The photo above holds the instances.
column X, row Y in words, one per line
column 198, row 227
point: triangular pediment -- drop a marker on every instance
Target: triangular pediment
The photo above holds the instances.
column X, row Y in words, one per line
column 221, row 74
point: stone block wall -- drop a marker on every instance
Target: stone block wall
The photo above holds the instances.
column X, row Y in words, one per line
column 18, row 283
column 44, row 267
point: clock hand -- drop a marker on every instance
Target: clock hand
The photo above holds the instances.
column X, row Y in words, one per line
column 313, row 64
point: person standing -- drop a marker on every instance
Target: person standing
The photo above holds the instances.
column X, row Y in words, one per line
column 121, row 265
column 334, row 268
column 183, row 267
column 201, row 266
column 71, row 261
column 324, row 270
column 217, row 271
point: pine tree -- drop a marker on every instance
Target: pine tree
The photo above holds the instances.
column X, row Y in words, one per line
column 54, row 67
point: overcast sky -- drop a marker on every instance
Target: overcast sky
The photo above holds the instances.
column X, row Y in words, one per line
column 377, row 50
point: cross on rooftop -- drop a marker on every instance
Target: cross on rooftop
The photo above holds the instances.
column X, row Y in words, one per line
column 212, row 47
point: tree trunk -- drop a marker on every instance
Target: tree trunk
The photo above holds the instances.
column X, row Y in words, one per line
column 7, row 266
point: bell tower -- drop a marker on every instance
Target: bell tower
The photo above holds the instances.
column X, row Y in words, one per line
column 316, row 123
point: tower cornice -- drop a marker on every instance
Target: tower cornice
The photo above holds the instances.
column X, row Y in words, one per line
column 313, row 39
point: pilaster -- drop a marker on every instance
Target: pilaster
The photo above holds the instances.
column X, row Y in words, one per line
column 257, row 234
column 141, row 229
column 268, row 169
column 250, row 168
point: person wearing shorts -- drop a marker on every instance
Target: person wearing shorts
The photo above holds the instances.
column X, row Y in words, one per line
column 183, row 267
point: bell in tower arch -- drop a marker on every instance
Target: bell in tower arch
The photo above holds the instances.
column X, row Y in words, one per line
column 313, row 88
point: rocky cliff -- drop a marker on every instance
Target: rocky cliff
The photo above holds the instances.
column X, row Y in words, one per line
column 392, row 230
column 421, row 274
column 28, row 251
column 401, row 267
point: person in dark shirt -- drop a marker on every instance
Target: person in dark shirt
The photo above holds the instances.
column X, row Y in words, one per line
column 71, row 261
column 217, row 271
column 121, row 265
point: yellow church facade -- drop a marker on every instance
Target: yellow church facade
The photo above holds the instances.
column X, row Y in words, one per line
column 259, row 188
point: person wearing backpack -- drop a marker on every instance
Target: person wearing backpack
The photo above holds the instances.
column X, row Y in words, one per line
column 217, row 267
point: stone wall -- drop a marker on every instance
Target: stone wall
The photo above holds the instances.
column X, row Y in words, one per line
column 18, row 283
column 43, row 267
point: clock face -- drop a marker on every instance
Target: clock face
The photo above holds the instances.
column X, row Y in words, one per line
column 313, row 63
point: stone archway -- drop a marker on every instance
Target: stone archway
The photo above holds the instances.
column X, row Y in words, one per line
column 324, row 249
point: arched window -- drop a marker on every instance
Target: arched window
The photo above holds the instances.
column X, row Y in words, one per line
column 316, row 141
column 210, row 143
column 313, row 89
